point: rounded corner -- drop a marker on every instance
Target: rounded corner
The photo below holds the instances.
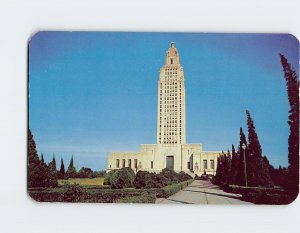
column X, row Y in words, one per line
column 29, row 196
column 294, row 198
column 33, row 36
column 293, row 37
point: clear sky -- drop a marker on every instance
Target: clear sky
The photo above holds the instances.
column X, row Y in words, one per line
column 95, row 92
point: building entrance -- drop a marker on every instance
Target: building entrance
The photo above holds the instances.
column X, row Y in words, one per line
column 170, row 162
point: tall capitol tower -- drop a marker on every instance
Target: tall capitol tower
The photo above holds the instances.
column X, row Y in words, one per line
column 171, row 101
column 171, row 150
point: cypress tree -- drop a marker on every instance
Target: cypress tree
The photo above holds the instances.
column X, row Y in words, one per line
column 234, row 166
column 62, row 169
column 240, row 177
column 52, row 172
column 42, row 158
column 71, row 171
column 257, row 171
column 227, row 167
column 218, row 171
column 52, row 164
column 292, row 84
column 39, row 174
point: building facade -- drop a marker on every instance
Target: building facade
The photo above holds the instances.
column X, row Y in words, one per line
column 171, row 150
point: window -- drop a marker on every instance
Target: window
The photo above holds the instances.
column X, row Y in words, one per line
column 171, row 61
column 135, row 163
column 212, row 164
column 117, row 163
column 123, row 162
column 151, row 164
column 129, row 163
column 204, row 164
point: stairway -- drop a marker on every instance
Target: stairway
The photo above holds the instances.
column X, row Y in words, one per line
column 190, row 173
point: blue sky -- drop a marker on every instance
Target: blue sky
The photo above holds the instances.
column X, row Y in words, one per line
column 95, row 92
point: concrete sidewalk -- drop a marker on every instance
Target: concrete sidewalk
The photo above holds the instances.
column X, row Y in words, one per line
column 202, row 192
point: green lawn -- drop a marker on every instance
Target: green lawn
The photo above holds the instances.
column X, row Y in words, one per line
column 82, row 181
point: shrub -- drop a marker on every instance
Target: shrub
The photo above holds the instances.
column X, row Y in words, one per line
column 143, row 198
column 107, row 177
column 148, row 180
column 72, row 193
column 141, row 179
column 172, row 189
column 122, row 178
column 182, row 176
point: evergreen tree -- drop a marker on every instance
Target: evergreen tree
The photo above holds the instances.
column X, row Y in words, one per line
column 62, row 169
column 218, row 171
column 52, row 164
column 42, row 158
column 240, row 177
column 223, row 168
column 71, row 171
column 234, row 166
column 257, row 171
column 39, row 174
column 292, row 84
column 228, row 164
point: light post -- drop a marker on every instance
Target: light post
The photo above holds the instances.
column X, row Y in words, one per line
column 244, row 148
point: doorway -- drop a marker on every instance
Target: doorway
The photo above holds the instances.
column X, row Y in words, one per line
column 170, row 162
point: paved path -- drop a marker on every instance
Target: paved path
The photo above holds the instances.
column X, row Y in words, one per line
column 202, row 192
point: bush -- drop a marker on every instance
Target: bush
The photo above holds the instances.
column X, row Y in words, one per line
column 122, row 178
column 172, row 189
column 148, row 180
column 143, row 198
column 182, row 176
column 107, row 177
column 72, row 193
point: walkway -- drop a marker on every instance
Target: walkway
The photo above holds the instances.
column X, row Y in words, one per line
column 202, row 192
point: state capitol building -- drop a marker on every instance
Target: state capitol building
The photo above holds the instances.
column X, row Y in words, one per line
column 171, row 150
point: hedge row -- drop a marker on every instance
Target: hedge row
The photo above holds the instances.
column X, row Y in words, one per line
column 269, row 196
column 172, row 189
column 144, row 198
column 75, row 193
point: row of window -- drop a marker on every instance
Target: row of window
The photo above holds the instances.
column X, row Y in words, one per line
column 212, row 164
column 129, row 163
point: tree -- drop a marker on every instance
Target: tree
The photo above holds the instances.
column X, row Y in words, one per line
column 240, row 178
column 42, row 159
column 39, row 174
column 292, row 84
column 52, row 164
column 257, row 171
column 52, row 171
column 223, row 168
column 85, row 172
column 71, row 172
column 62, row 170
column 234, row 166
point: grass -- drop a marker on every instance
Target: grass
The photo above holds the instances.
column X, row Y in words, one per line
column 82, row 181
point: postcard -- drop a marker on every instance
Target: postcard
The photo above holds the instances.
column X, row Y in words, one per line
column 164, row 118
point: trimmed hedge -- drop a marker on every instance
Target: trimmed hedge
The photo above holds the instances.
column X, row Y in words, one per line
column 146, row 180
column 122, row 178
column 75, row 193
column 260, row 195
column 172, row 189
column 146, row 197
